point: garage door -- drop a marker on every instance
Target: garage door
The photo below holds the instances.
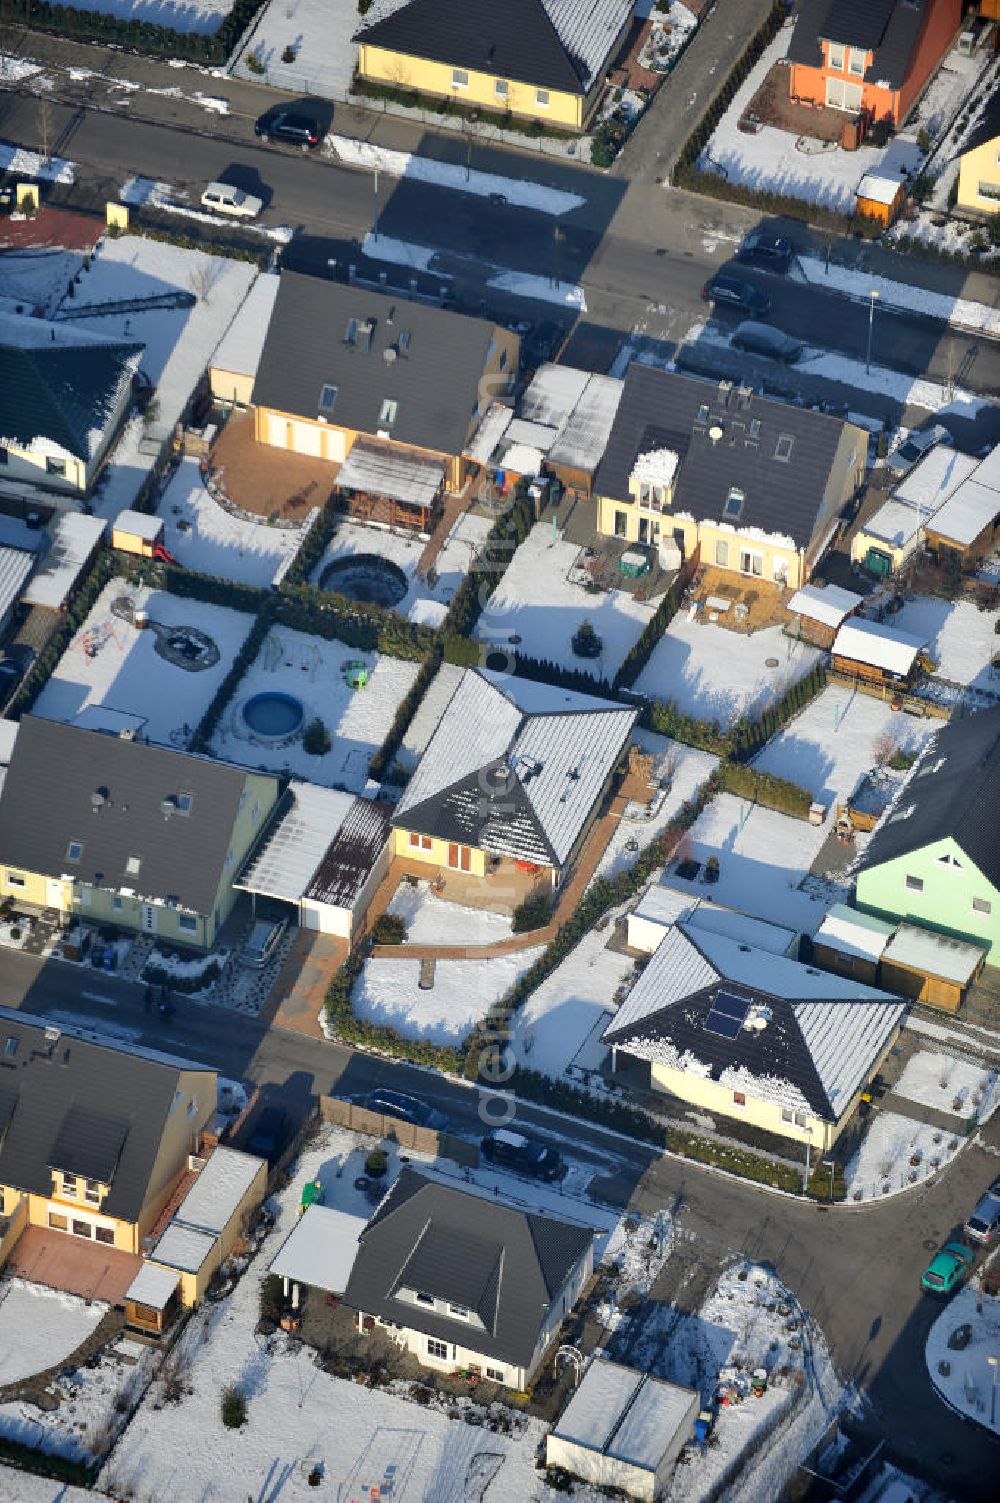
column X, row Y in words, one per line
column 306, row 439
column 276, row 427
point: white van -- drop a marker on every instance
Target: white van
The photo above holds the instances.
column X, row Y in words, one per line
column 223, row 198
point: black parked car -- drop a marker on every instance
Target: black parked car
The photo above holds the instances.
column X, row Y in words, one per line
column 297, row 130
column 268, row 1136
column 731, row 292
column 511, row 1150
column 761, row 248
column 406, row 1108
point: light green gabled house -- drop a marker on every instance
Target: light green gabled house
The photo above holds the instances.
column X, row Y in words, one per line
column 935, row 858
column 116, row 831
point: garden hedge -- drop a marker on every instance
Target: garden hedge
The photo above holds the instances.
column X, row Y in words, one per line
column 133, row 35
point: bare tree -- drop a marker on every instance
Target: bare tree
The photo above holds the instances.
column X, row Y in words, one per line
column 884, row 748
column 203, row 277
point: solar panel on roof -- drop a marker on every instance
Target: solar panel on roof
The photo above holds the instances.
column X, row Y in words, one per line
column 725, row 1028
column 730, row 1004
column 727, row 1014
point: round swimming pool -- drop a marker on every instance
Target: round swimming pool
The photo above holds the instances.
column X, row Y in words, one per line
column 367, row 578
column 273, row 716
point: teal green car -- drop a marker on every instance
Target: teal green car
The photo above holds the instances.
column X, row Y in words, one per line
column 947, row 1268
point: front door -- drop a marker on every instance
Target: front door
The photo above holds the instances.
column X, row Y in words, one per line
column 54, row 894
column 459, row 857
column 149, row 918
column 643, row 529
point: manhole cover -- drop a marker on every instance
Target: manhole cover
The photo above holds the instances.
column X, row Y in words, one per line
column 770, row 662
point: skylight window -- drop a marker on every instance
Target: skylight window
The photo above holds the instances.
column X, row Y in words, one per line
column 74, row 850
column 185, row 803
column 327, row 398
column 783, row 448
column 734, row 502
column 133, row 865
column 703, row 413
column 10, row 1047
column 387, row 412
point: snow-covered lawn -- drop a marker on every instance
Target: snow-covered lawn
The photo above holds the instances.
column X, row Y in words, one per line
column 685, row 768
column 668, row 35
column 836, row 739
column 319, row 32
column 311, row 670
column 570, row 1007
column 388, row 992
column 203, row 536
column 40, row 1327
column 763, row 856
column 883, row 1164
column 111, row 663
column 948, row 1084
column 967, row 1382
column 960, row 638
column 537, row 602
column 431, row 920
column 18, row 161
column 204, row 16
column 719, row 674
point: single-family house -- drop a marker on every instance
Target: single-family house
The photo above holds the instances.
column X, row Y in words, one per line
column 64, row 393
column 934, row 859
column 543, row 60
column 232, row 369
column 757, row 485
column 94, row 1136
column 389, row 391
column 114, row 831
column 747, row 1034
column 869, row 56
column 462, row 1281
column 512, row 779
column 979, row 163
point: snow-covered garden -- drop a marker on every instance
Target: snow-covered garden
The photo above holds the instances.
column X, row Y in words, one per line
column 388, row 992
column 433, row 920
column 716, row 673
column 204, row 536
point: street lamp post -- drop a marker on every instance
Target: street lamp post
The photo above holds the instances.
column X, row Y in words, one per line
column 375, row 224
column 992, row 1360
column 830, row 1164
column 871, row 323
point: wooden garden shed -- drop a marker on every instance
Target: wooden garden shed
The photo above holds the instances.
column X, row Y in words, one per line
column 880, row 198
column 820, row 611
column 930, row 967
column 851, row 943
column 867, row 650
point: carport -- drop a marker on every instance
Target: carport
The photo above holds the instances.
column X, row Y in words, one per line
column 318, row 1252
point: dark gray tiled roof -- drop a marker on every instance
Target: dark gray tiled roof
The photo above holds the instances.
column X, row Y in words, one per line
column 952, row 792
column 433, row 377
column 506, row 1264
column 660, row 409
column 987, row 128
column 91, row 1109
column 350, row 857
column 181, row 856
column 888, row 28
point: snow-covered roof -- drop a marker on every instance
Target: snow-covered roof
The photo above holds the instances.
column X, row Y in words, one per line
column 493, row 425
column 828, row 604
column 581, row 408
column 933, row 954
column 968, row 511
column 153, row 1286
column 667, row 906
column 15, row 567
column 284, row 864
column 415, row 478
column 626, row 1414
column 184, row 1247
column 879, row 190
column 139, row 524
column 534, row 435
column 515, row 767
column 553, row 393
column 74, row 537
column 895, row 522
column 219, row 1190
column 854, row 933
column 320, row 1249
column 522, row 459
column 869, row 642
column 656, row 466
column 933, row 478
column 238, row 351
column 804, row 1038
column 8, row 735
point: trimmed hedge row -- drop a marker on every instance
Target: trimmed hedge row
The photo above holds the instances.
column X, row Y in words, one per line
column 103, row 568
column 137, row 36
column 251, row 647
column 408, row 706
column 747, row 737
column 369, row 628
column 765, row 788
column 46, row 1464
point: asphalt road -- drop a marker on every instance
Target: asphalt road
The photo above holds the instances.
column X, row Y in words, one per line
column 855, row 1270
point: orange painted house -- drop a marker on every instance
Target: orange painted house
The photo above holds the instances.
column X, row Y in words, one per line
column 869, row 56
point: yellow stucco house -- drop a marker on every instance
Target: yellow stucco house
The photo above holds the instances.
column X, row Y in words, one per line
column 139, row 836
column 543, row 60
column 64, row 393
column 388, row 390
column 757, row 485
column 93, row 1137
column 979, row 164
column 513, row 779
column 745, row 1034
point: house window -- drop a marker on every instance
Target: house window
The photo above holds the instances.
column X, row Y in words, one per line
column 55, row 466
column 982, row 905
column 185, row 803
column 69, row 1186
column 787, row 1115
column 437, row 1349
column 426, row 843
column 835, row 56
column 751, row 563
column 783, row 448
column 327, row 398
column 779, row 571
column 501, row 88
column 58, row 1222
column 387, row 412
column 856, row 62
column 800, row 1119
column 841, row 95
column 9, row 1048
column 188, row 922
column 133, row 865
column 459, row 858
column 502, row 362
column 739, row 1098
column 105, row 1234
column 117, row 902
column 3, row 456
column 989, row 190
column 92, row 1192
column 424, row 1299
column 496, row 1375
column 914, row 884
column 459, row 78
column 74, row 850
column 82, row 1229
column 722, row 553
column 542, row 98
column 14, row 879
column 414, row 838
column 459, row 1311
column 621, row 524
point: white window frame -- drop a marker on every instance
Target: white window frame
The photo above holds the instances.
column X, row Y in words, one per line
column 68, row 1185
column 843, row 95
column 755, row 561
column 496, row 1374
column 542, row 98
column 501, row 88
column 188, row 922
column 721, row 553
column 459, row 78
column 15, row 879
column 836, row 56
column 857, row 60
column 437, row 1349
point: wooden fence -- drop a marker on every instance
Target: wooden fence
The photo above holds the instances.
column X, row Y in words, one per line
column 378, row 1125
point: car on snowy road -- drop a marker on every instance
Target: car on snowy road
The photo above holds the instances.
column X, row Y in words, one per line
column 948, row 1268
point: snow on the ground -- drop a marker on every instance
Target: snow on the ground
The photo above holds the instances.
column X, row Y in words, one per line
column 319, row 34
column 38, row 277
column 203, row 536
column 19, row 162
column 683, row 768
column 859, row 285
column 780, row 162
column 669, row 34
column 431, row 920
column 542, row 289
column 890, row 1485
column 40, row 1327
column 123, row 670
column 311, row 669
column 175, row 200
column 298, row 1415
column 960, row 638
column 947, row 1084
column 716, row 673
column 388, row 992
column 636, row 1252
column 908, row 391
column 15, row 69
column 420, row 603
column 179, row 342
column 202, row 16
column 24, row 1487
column 571, row 1006
column 379, row 247
column 883, row 1165
column 538, row 603
column 763, row 857
column 519, row 192
column 967, row 1382
column 839, row 736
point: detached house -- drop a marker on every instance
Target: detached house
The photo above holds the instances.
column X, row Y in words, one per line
column 513, row 778
column 934, row 859
column 64, row 393
column 120, row 832
column 875, row 56
column 543, row 60
column 388, row 390
column 757, row 485
column 465, row 1282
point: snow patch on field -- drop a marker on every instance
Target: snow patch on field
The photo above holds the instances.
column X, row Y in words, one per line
column 685, row 768
column 202, row 535
column 40, row 1327
column 883, row 1164
column 948, row 1084
column 718, row 674
column 967, row 1385
column 571, row 1006
column 431, row 920
column 388, row 992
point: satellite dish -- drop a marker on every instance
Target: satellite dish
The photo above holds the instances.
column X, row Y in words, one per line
column 388, row 354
